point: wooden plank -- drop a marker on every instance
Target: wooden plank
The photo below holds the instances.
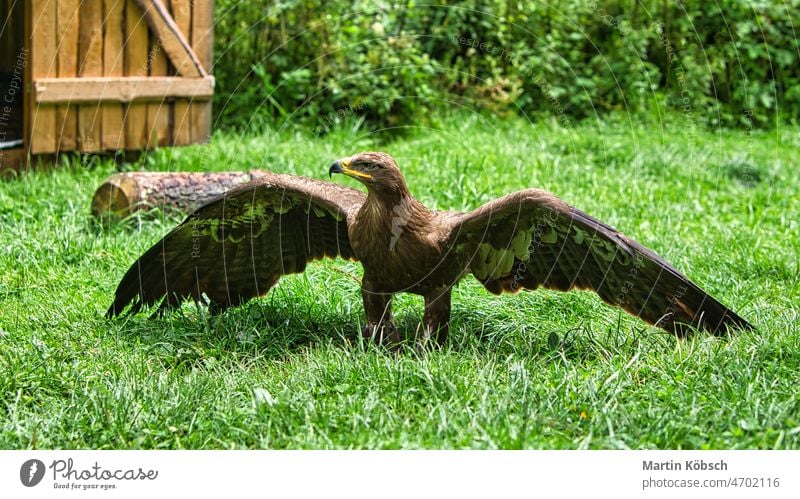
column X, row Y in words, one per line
column 202, row 43
column 12, row 160
column 172, row 38
column 203, row 32
column 90, row 44
column 67, row 25
column 158, row 113
column 135, row 89
column 136, row 47
column 182, row 118
column 42, row 131
column 113, row 133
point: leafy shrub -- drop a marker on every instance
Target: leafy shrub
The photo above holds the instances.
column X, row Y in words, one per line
column 729, row 63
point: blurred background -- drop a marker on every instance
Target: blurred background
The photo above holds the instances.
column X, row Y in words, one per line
column 725, row 63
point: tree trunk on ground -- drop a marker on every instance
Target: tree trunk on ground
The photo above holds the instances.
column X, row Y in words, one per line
column 123, row 194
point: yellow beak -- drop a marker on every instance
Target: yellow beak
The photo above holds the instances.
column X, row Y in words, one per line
column 343, row 166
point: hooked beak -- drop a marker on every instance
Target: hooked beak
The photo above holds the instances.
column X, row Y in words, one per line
column 343, row 166
column 336, row 167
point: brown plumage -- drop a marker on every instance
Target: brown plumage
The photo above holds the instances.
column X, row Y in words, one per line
column 238, row 246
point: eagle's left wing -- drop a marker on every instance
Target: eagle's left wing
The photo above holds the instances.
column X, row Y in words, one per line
column 531, row 238
column 238, row 246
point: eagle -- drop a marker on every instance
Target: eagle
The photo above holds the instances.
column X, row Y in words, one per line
column 238, row 246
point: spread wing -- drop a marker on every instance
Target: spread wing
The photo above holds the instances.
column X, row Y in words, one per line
column 238, row 246
column 531, row 238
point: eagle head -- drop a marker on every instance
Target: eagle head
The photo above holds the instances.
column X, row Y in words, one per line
column 376, row 170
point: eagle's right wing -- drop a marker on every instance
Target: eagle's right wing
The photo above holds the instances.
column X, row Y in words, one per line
column 238, row 246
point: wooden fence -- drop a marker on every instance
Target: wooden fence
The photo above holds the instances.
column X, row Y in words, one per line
column 117, row 74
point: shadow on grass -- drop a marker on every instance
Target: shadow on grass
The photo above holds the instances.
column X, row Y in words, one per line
column 584, row 343
column 192, row 337
column 271, row 331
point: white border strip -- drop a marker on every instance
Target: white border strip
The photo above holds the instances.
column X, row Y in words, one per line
column 406, row 474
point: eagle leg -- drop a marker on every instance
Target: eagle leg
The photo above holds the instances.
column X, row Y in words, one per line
column 437, row 316
column 380, row 322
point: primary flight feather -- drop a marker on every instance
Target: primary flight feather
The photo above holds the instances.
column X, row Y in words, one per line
column 239, row 245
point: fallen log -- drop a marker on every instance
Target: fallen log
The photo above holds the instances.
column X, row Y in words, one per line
column 123, row 194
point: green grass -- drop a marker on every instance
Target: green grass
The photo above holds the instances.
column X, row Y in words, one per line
column 536, row 370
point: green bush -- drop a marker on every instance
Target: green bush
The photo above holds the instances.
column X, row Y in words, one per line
column 731, row 63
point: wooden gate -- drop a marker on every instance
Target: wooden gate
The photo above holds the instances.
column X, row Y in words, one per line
column 109, row 75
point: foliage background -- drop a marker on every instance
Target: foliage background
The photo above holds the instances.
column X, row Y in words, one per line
column 727, row 62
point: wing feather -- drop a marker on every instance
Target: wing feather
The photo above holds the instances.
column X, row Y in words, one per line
column 564, row 249
column 237, row 247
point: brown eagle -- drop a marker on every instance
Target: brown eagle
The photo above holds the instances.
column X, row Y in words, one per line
column 238, row 246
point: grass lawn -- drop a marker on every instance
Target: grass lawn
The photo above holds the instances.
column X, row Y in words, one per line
column 535, row 370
